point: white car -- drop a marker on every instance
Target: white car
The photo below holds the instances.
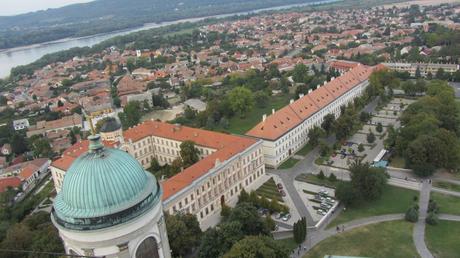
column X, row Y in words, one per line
column 330, row 200
column 286, row 217
column 321, row 212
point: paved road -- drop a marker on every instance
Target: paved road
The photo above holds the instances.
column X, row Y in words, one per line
column 419, row 228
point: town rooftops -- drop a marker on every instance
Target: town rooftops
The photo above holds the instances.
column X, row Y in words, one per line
column 287, row 118
column 6, row 182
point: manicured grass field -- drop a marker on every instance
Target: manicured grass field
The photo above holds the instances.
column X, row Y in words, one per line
column 289, row 243
column 393, row 200
column 442, row 239
column 382, row 240
column 305, row 150
column 447, row 203
column 269, row 190
column 447, row 185
column 238, row 125
column 313, row 179
column 289, row 163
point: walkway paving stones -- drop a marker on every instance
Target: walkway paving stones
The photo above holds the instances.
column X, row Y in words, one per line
column 419, row 228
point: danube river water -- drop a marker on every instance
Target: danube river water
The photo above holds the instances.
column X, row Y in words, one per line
column 24, row 55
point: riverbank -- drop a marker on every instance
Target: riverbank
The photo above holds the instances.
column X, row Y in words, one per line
column 10, row 58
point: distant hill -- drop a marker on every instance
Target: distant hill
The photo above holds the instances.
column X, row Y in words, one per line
column 109, row 15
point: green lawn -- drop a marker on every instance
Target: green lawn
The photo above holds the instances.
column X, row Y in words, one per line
column 305, row 150
column 289, row 243
column 442, row 239
column 289, row 163
column 397, row 162
column 393, row 200
column 270, row 190
column 313, row 179
column 447, row 185
column 382, row 240
column 447, row 203
column 238, row 125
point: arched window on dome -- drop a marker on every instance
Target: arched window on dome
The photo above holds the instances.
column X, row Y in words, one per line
column 148, row 249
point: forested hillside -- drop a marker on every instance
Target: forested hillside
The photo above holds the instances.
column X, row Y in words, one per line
column 109, row 15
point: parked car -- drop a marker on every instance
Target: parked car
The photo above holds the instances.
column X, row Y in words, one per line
column 323, row 192
column 329, row 200
column 321, row 212
column 282, row 193
column 286, row 217
column 325, row 206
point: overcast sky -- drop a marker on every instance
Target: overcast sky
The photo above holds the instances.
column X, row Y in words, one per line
column 12, row 7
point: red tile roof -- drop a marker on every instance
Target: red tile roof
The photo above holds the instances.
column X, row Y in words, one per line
column 9, row 182
column 226, row 146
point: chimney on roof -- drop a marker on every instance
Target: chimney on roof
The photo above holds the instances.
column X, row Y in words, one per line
column 325, row 82
column 332, row 78
column 301, row 95
column 195, row 134
column 273, row 111
column 309, row 91
column 291, row 101
column 217, row 163
column 264, row 117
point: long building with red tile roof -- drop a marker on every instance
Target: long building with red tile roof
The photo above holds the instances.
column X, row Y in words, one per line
column 228, row 164
column 286, row 131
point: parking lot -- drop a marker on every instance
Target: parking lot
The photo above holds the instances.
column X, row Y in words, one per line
column 315, row 200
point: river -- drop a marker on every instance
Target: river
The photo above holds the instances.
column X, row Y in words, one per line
column 24, row 55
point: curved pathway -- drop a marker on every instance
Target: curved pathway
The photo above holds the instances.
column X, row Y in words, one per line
column 419, row 228
column 316, row 236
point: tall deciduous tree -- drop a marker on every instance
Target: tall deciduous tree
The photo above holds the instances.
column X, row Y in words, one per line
column 184, row 233
column 257, row 246
column 188, row 153
column 131, row 114
column 241, row 100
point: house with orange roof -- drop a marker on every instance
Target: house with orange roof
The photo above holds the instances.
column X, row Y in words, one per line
column 285, row 131
column 29, row 172
column 228, row 164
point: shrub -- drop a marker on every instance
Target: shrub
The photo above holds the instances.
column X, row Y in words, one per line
column 332, row 177
column 432, row 219
column 433, row 206
column 321, row 175
column 360, row 147
column 411, row 215
column 379, row 127
column 225, row 210
column 423, row 170
column 370, row 137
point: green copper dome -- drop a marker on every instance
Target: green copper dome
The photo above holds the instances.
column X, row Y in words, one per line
column 104, row 187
